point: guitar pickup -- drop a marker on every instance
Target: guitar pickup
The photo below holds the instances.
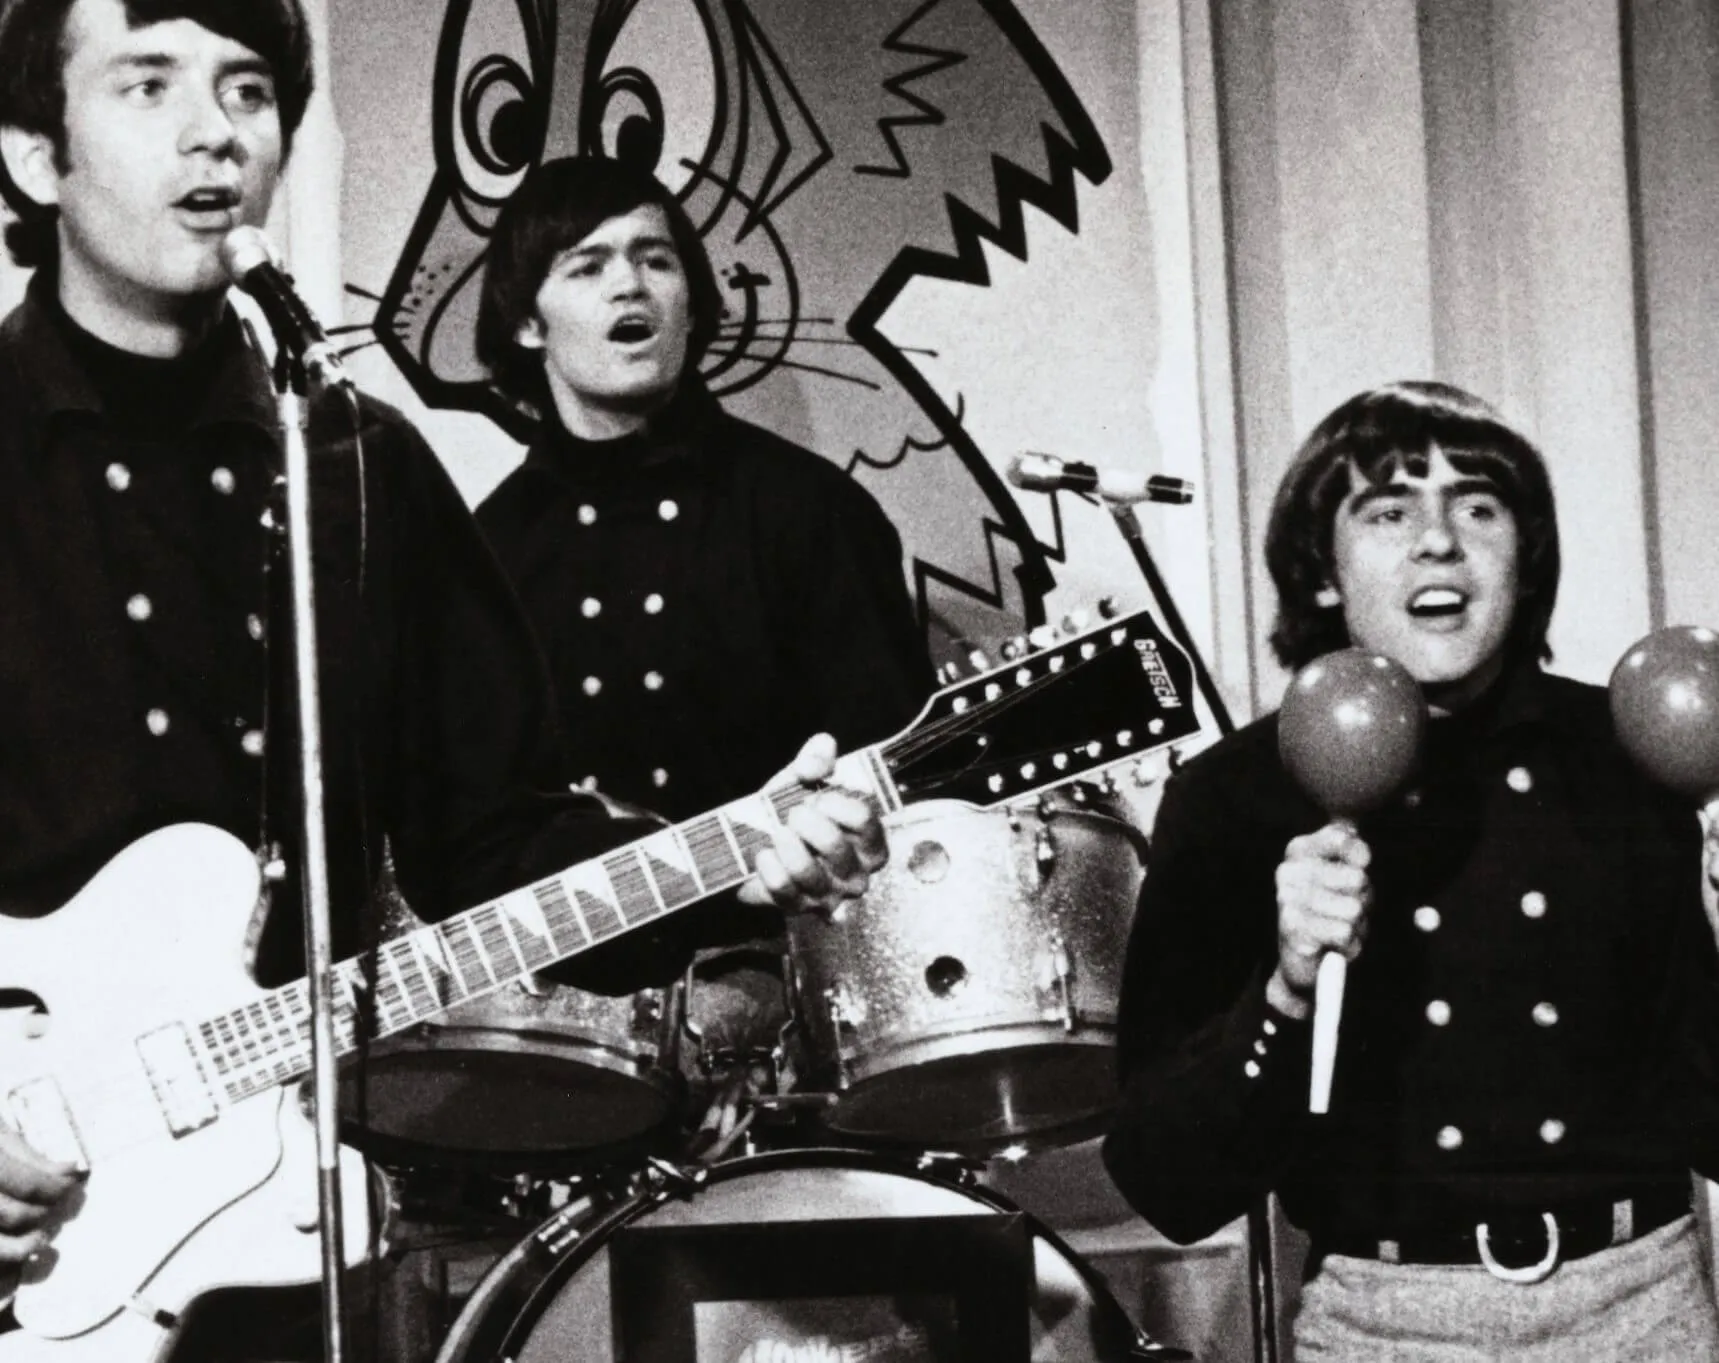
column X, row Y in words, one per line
column 181, row 1088
column 39, row 1112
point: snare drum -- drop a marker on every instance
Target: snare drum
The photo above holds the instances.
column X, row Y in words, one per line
column 968, row 1001
column 549, row 1299
column 533, row 1077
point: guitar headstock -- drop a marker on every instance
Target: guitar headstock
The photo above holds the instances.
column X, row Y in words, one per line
column 1050, row 714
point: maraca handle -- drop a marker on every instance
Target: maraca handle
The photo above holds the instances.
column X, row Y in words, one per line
column 1327, row 1011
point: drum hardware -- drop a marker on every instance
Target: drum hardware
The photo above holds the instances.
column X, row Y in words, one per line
column 561, row 1231
column 1044, row 852
column 1055, row 973
column 957, row 1168
column 665, row 1178
column 784, row 1102
column 844, row 1016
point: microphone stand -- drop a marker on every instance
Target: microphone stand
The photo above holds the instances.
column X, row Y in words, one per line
column 1262, row 1274
column 318, row 932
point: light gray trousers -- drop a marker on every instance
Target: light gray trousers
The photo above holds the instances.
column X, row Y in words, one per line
column 1649, row 1300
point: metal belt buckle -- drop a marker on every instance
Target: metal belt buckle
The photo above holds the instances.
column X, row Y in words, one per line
column 1530, row 1273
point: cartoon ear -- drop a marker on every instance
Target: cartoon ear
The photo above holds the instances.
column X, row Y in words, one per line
column 1327, row 597
column 29, row 160
column 530, row 334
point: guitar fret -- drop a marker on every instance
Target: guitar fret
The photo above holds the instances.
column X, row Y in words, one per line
column 530, row 929
column 504, row 921
column 560, row 913
column 419, row 998
column 212, row 1045
column 350, row 985
column 493, row 937
column 264, row 1059
column 280, row 1040
column 636, row 898
column 432, row 962
column 715, row 854
column 472, row 953
column 669, row 865
column 605, row 919
column 749, row 839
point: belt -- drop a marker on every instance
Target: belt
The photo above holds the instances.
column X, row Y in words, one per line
column 1521, row 1245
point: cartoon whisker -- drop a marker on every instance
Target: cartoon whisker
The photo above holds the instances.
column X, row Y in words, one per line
column 348, row 330
column 843, row 340
column 738, row 324
column 738, row 352
column 358, row 292
column 354, row 349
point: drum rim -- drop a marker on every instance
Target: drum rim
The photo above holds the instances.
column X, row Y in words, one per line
column 494, row 1340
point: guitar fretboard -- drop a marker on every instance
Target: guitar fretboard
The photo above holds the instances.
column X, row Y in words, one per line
column 424, row 972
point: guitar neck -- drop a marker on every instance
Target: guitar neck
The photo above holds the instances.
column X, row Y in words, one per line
column 1112, row 694
column 423, row 973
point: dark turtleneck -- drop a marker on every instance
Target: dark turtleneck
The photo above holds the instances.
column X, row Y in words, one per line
column 150, row 395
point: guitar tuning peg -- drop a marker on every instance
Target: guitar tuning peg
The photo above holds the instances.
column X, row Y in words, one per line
column 948, row 674
column 1107, row 608
column 1143, row 774
column 977, row 660
column 1174, row 761
column 1041, row 636
column 1013, row 649
column 1075, row 621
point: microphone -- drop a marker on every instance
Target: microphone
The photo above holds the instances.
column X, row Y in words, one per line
column 1046, row 473
column 252, row 263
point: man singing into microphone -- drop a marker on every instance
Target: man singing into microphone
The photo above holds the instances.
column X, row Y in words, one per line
column 145, row 669
column 1530, row 1038
column 707, row 593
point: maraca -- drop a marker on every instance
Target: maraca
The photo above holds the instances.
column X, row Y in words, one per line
column 1349, row 732
column 1665, row 704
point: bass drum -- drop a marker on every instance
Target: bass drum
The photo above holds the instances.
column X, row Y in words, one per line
column 549, row 1300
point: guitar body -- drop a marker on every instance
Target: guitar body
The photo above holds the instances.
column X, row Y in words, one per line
column 156, row 937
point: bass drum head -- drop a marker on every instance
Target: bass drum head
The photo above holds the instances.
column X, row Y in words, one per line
column 549, row 1300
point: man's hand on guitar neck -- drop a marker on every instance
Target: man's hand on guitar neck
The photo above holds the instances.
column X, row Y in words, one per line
column 31, row 1186
column 828, row 847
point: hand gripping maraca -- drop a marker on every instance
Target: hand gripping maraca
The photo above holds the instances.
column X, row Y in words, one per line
column 1665, row 704
column 1349, row 732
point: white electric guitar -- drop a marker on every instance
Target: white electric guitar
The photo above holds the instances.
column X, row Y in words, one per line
column 167, row 1074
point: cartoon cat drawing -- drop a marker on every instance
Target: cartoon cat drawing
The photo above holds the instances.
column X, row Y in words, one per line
column 830, row 154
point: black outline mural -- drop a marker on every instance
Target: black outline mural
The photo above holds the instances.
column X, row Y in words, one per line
column 929, row 125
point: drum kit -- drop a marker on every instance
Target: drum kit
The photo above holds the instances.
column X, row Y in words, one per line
column 965, row 1006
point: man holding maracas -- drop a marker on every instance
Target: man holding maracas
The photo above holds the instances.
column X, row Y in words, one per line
column 1529, row 1066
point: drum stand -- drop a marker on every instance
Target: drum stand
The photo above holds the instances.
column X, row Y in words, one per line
column 1262, row 1274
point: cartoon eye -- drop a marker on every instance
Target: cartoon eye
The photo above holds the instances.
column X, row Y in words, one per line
column 490, row 110
column 498, row 124
column 629, row 124
column 645, row 108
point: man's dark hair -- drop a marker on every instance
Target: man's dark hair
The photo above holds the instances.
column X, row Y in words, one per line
column 558, row 205
column 1376, row 433
column 33, row 86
